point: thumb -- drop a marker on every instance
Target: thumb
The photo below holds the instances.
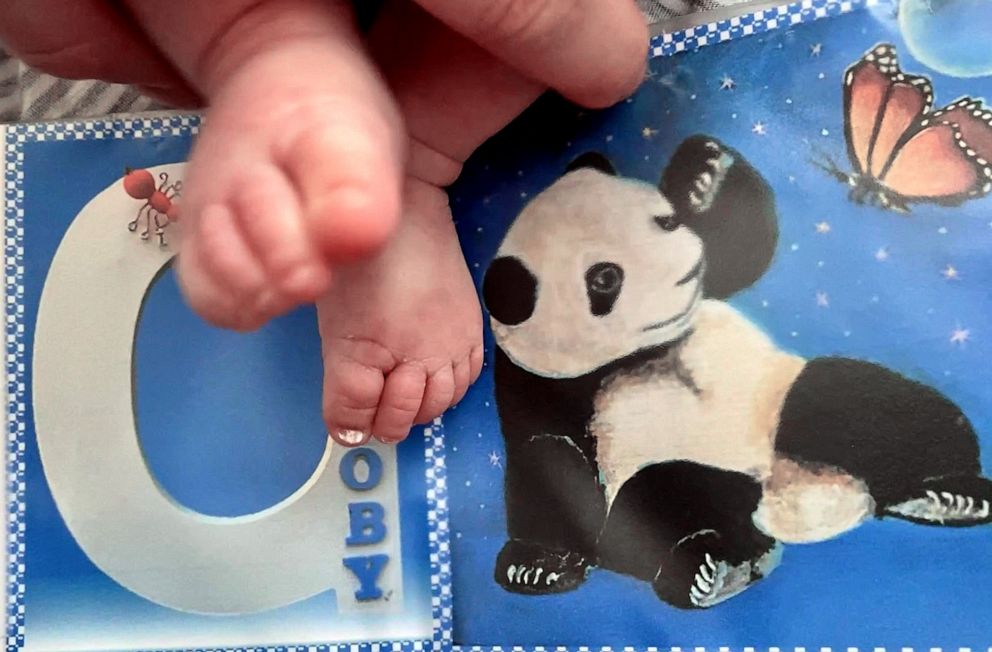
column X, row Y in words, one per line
column 592, row 51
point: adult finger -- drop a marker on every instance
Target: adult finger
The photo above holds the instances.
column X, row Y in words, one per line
column 88, row 39
column 592, row 51
column 454, row 95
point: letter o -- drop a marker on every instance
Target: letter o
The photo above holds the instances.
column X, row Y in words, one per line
column 347, row 469
column 87, row 435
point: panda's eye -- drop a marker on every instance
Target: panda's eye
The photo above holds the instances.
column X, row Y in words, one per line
column 605, row 278
column 667, row 222
column 603, row 283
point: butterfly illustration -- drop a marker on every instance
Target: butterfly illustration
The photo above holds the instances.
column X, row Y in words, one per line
column 904, row 152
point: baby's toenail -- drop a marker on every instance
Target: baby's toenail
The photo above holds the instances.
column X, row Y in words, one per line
column 306, row 281
column 350, row 437
column 266, row 302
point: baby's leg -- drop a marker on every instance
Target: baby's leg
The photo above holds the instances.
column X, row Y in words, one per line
column 300, row 162
column 402, row 332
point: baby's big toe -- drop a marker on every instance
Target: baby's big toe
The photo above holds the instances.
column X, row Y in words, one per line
column 353, row 386
column 349, row 186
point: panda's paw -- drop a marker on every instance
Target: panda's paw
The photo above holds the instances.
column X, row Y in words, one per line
column 697, row 173
column 529, row 568
column 701, row 572
column 708, row 179
column 953, row 502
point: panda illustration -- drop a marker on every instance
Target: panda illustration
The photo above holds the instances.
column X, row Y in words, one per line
column 653, row 430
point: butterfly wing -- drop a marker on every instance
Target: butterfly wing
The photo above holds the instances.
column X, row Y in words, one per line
column 936, row 164
column 880, row 104
column 974, row 121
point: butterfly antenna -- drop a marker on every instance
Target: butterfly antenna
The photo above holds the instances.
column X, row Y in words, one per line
column 827, row 164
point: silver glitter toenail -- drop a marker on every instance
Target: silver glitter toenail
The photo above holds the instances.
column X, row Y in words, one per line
column 350, row 437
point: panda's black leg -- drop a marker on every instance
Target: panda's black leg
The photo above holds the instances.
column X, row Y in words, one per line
column 913, row 448
column 955, row 501
column 555, row 509
column 687, row 529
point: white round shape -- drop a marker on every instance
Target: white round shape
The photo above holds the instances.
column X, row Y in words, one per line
column 119, row 515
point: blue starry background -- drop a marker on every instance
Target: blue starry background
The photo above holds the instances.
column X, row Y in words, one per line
column 909, row 292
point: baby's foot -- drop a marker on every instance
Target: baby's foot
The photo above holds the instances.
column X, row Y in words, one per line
column 402, row 332
column 298, row 168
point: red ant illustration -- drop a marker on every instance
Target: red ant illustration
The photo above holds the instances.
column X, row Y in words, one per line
column 158, row 201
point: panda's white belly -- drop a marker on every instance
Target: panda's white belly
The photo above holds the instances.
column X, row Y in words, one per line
column 721, row 409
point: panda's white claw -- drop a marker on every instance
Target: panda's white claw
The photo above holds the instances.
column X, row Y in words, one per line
column 537, row 574
column 526, row 578
column 706, row 573
column 696, row 597
column 946, row 495
column 695, row 199
column 710, row 562
column 551, row 578
column 510, row 572
column 701, row 582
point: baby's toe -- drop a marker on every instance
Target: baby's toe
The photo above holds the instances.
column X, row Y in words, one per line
column 463, row 379
column 439, row 395
column 270, row 219
column 346, row 173
column 219, row 274
column 353, row 389
column 401, row 402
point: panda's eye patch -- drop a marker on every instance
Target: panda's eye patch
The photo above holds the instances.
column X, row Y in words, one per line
column 510, row 291
column 667, row 222
column 603, row 283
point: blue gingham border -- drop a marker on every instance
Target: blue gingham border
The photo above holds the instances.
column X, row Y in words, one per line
column 584, row 648
column 763, row 20
column 14, row 311
column 16, row 136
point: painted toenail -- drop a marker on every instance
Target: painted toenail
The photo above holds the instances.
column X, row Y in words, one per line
column 347, row 437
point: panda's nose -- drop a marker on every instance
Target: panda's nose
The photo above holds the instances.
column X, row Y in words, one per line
column 510, row 291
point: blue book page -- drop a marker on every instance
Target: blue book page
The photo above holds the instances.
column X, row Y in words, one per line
column 171, row 485
column 736, row 381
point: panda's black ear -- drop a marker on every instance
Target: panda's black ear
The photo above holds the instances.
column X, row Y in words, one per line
column 593, row 160
column 730, row 206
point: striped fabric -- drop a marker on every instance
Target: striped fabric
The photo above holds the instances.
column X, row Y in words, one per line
column 660, row 10
column 27, row 95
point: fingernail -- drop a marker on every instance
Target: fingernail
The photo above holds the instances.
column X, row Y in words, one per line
column 349, row 438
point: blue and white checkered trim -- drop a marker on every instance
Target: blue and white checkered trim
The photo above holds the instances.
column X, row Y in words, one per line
column 16, row 408
column 439, row 537
column 16, row 136
column 585, row 648
column 382, row 646
column 760, row 21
